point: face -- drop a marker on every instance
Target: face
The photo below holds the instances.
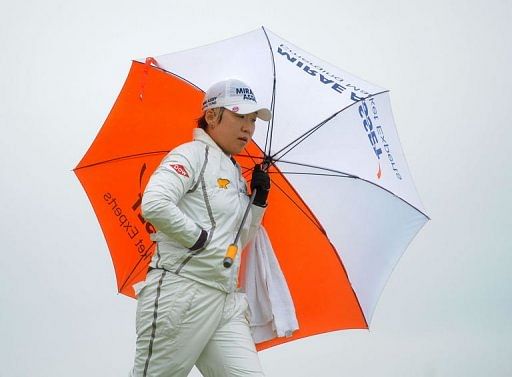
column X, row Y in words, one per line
column 233, row 131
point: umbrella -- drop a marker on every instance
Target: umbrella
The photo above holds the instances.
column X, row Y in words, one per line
column 343, row 207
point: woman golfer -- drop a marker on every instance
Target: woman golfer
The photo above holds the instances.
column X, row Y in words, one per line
column 189, row 310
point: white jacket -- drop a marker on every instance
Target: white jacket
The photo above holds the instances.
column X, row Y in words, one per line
column 197, row 186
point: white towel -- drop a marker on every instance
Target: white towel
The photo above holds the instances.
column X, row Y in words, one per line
column 270, row 302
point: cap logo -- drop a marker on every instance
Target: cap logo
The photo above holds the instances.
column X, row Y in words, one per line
column 234, row 95
column 247, row 93
column 210, row 102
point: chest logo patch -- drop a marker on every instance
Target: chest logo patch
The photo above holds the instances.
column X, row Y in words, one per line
column 223, row 183
column 180, row 169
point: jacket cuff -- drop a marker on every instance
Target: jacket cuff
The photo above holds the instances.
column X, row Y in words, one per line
column 201, row 240
column 257, row 213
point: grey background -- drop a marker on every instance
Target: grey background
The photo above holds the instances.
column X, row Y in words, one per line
column 446, row 309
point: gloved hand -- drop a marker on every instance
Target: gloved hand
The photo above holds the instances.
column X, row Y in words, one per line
column 260, row 182
column 200, row 241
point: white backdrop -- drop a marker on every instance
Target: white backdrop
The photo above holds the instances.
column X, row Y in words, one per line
column 446, row 309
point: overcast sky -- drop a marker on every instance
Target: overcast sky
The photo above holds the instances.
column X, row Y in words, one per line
column 446, row 309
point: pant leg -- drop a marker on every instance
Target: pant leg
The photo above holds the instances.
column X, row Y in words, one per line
column 231, row 351
column 176, row 317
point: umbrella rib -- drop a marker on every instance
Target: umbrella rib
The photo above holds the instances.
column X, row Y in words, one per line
column 135, row 267
column 294, row 143
column 252, row 159
column 121, row 158
column 308, row 215
column 301, row 138
column 270, row 129
column 172, row 73
column 338, row 173
column 316, row 174
column 347, row 175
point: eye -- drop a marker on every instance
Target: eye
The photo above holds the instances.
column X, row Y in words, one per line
column 250, row 117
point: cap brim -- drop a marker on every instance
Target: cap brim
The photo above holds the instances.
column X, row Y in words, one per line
column 261, row 112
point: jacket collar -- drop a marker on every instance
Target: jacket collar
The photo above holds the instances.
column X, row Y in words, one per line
column 201, row 135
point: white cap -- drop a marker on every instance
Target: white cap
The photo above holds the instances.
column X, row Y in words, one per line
column 236, row 96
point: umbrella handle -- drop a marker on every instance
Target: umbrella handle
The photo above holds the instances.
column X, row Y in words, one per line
column 230, row 255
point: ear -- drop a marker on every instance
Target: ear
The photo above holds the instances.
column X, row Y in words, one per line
column 211, row 117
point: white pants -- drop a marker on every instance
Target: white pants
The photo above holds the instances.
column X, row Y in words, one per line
column 181, row 323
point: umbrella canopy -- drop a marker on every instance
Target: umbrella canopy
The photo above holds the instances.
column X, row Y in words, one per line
column 343, row 207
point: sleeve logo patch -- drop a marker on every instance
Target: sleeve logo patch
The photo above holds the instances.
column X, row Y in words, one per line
column 180, row 169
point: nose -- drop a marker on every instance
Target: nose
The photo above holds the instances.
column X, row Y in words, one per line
column 248, row 126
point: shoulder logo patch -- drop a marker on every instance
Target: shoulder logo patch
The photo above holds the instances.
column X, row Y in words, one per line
column 180, row 169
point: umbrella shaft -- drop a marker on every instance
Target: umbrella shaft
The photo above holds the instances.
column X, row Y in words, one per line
column 245, row 216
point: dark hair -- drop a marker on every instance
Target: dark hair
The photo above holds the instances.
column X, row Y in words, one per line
column 201, row 122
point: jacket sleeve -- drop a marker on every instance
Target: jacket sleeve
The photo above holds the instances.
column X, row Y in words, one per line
column 168, row 184
column 257, row 213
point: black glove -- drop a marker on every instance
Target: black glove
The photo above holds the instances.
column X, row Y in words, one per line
column 200, row 241
column 260, row 182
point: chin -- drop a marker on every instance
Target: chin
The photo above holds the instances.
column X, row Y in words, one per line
column 237, row 150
